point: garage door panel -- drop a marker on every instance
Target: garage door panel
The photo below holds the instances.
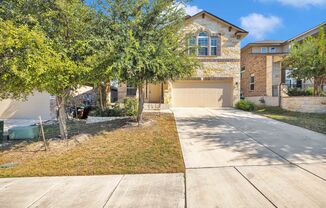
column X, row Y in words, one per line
column 201, row 94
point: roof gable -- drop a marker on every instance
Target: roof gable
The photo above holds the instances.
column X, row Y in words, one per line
column 219, row 20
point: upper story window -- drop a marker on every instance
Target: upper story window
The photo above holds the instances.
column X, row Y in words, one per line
column 203, row 44
column 264, row 50
column 214, row 44
column 243, row 69
column 192, row 45
column 206, row 45
column 272, row 50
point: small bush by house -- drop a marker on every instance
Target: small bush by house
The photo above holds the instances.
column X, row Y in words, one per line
column 130, row 108
column 115, row 111
column 245, row 105
column 300, row 92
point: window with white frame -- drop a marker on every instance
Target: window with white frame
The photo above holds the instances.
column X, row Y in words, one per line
column 214, row 43
column 131, row 90
column 203, row 44
column 243, row 69
column 252, row 82
column 192, row 45
column 272, row 50
column 264, row 50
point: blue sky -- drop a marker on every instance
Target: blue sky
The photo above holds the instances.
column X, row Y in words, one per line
column 266, row 19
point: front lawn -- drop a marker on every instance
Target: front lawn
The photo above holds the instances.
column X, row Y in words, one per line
column 312, row 121
column 121, row 149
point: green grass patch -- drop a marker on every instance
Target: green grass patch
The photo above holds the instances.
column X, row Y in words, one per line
column 312, row 121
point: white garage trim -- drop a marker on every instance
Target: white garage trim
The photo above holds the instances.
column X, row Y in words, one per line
column 206, row 93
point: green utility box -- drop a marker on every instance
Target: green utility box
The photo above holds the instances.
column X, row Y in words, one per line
column 1, row 131
column 25, row 132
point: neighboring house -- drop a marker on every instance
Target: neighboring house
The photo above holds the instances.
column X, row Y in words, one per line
column 38, row 104
column 43, row 104
column 262, row 71
column 217, row 82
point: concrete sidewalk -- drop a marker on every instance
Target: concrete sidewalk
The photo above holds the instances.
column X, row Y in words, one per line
column 152, row 190
column 239, row 159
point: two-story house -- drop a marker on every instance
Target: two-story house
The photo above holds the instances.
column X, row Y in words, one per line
column 216, row 44
column 262, row 71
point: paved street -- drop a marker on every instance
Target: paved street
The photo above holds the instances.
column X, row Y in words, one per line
column 238, row 159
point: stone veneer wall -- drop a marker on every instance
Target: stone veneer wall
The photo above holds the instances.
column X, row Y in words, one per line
column 305, row 104
column 227, row 63
column 269, row 101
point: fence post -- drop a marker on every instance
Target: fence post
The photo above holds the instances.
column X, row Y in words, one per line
column 43, row 136
column 280, row 95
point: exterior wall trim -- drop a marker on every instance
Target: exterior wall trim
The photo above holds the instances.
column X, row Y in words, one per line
column 219, row 60
column 207, row 78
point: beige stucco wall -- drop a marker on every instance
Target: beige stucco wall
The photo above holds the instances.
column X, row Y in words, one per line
column 35, row 105
column 269, row 75
column 305, row 104
column 278, row 49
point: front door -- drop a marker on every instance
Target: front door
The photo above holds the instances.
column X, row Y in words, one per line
column 154, row 95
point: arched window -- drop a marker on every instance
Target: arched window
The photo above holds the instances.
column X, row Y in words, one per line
column 203, row 44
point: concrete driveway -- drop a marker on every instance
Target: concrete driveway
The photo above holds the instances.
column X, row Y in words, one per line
column 239, row 159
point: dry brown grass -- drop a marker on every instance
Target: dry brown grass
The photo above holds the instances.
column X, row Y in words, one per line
column 151, row 148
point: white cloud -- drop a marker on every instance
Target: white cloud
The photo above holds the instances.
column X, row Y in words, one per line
column 192, row 10
column 259, row 25
column 299, row 3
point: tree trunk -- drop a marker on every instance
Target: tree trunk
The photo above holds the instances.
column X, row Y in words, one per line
column 318, row 86
column 62, row 117
column 107, row 94
column 314, row 92
column 100, row 97
column 140, row 103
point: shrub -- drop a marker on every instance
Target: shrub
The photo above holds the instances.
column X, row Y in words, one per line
column 245, row 105
column 116, row 111
column 130, row 106
column 300, row 92
column 130, row 109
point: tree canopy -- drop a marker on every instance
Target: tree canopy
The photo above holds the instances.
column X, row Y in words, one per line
column 148, row 42
column 307, row 60
column 59, row 45
column 59, row 66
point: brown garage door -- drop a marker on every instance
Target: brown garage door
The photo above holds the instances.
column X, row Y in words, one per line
column 202, row 94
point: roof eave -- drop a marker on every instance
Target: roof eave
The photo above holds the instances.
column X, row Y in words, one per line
column 306, row 32
column 240, row 30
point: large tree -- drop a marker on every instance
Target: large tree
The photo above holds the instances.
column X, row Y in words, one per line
column 149, row 46
column 25, row 56
column 67, row 27
column 307, row 60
